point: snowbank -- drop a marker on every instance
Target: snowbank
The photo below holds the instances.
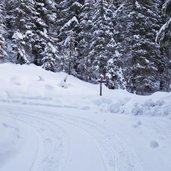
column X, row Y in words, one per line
column 122, row 102
column 29, row 84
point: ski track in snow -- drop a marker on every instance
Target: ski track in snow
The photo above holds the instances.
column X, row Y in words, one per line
column 51, row 144
column 112, row 159
column 31, row 118
column 51, row 141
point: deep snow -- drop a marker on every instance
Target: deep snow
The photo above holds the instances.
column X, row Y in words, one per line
column 47, row 124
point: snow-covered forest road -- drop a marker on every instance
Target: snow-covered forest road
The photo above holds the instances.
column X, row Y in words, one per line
column 47, row 124
column 68, row 139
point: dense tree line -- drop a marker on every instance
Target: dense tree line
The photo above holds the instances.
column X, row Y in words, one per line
column 128, row 41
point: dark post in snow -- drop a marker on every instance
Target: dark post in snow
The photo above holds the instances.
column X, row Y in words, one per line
column 101, row 80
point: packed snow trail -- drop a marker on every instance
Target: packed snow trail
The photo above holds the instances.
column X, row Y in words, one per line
column 83, row 150
column 53, row 139
column 48, row 124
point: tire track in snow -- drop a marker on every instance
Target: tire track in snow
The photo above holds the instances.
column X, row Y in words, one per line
column 17, row 158
column 45, row 131
column 30, row 117
column 112, row 158
column 114, row 152
column 111, row 143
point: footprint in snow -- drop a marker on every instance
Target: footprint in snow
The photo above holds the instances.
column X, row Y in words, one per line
column 154, row 144
column 5, row 125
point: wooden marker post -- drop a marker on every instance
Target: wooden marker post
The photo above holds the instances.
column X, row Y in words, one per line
column 101, row 81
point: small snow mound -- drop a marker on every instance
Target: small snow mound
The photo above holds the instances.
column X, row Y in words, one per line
column 102, row 101
column 115, row 107
column 137, row 109
column 153, row 107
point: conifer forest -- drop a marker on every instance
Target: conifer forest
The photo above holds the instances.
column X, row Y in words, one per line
column 128, row 41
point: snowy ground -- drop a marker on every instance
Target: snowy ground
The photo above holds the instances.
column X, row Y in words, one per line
column 49, row 125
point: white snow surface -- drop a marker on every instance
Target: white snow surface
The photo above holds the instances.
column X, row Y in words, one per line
column 55, row 122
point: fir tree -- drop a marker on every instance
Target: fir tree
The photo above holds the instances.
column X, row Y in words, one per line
column 117, row 3
column 28, row 23
column 102, row 35
column 164, row 34
column 143, row 65
column 3, row 33
column 84, row 40
column 20, row 24
column 68, row 22
column 87, row 38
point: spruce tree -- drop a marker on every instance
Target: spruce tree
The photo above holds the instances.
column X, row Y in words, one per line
column 88, row 38
column 114, row 75
column 3, row 54
column 164, row 34
column 84, row 40
column 20, row 24
column 29, row 34
column 69, row 27
column 117, row 3
column 144, row 67
column 43, row 47
column 102, row 35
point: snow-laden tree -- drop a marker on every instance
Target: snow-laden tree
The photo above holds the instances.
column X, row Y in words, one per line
column 18, row 47
column 117, row 3
column 49, row 57
column 3, row 53
column 27, row 30
column 68, row 22
column 69, row 53
column 102, row 35
column 114, row 74
column 101, row 13
column 44, row 46
column 20, row 24
column 164, row 35
column 144, row 67
column 87, row 38
column 84, row 40
column 41, row 33
column 166, row 9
